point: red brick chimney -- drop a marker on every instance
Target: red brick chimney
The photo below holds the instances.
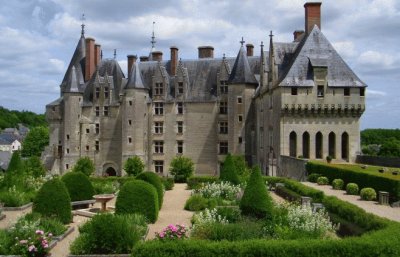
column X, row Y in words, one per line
column 297, row 35
column 156, row 56
column 89, row 59
column 249, row 49
column 131, row 61
column 174, row 60
column 144, row 58
column 313, row 16
column 206, row 52
column 97, row 51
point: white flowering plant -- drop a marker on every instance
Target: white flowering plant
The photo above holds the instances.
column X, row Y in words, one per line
column 224, row 190
column 208, row 217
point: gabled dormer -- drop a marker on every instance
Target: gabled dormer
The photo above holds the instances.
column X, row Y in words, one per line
column 160, row 82
column 224, row 72
column 181, row 81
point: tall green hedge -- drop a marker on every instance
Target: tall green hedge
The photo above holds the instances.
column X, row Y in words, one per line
column 155, row 180
column 362, row 179
column 195, row 181
column 78, row 185
column 138, row 196
column 53, row 201
column 228, row 172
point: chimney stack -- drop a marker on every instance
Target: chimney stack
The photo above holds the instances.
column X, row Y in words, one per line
column 144, row 58
column 156, row 56
column 249, row 49
column 174, row 60
column 206, row 52
column 297, row 34
column 90, row 58
column 313, row 15
column 131, row 61
column 97, row 51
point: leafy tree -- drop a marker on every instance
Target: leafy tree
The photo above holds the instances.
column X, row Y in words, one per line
column 228, row 172
column 134, row 166
column 35, row 167
column 390, row 148
column 84, row 165
column 10, row 119
column 35, row 142
column 16, row 164
column 241, row 167
column 181, row 168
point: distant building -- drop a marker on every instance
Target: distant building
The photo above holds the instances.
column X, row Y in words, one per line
column 297, row 99
column 5, row 158
column 9, row 142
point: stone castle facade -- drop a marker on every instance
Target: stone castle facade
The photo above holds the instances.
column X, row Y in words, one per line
column 295, row 99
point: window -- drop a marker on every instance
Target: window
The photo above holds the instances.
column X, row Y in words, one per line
column 87, row 131
column 320, row 91
column 180, row 127
column 67, row 136
column 223, row 127
column 180, row 88
column 294, row 90
column 158, row 146
column 130, row 103
column 240, row 140
column 87, row 147
column 97, row 111
column 159, row 166
column 106, row 92
column 223, row 147
column 346, row 91
column 158, row 127
column 67, row 150
column 97, row 92
column 105, row 111
column 66, row 166
column 97, row 145
column 240, row 118
column 130, row 122
column 362, row 91
column 239, row 99
column 180, row 147
column 180, row 108
column 224, row 87
column 159, row 108
column 129, row 140
column 159, row 89
column 97, row 128
column 223, row 108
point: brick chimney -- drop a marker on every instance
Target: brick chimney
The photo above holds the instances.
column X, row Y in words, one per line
column 90, row 57
column 97, row 51
column 131, row 61
column 249, row 49
column 297, row 35
column 174, row 60
column 156, row 56
column 313, row 15
column 206, row 52
column 143, row 58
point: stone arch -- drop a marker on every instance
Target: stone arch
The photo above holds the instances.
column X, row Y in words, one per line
column 293, row 144
column 319, row 145
column 110, row 169
column 306, row 145
column 345, row 146
column 332, row 145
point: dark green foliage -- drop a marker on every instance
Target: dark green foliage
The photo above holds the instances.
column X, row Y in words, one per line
column 338, row 184
column 181, row 168
column 297, row 187
column 84, row 165
column 5, row 242
column 14, row 198
column 196, row 203
column 322, row 181
column 134, row 166
column 368, row 194
column 10, row 119
column 168, row 183
column 53, row 201
column 232, row 232
column 155, row 180
column 196, row 181
column 109, row 234
column 390, row 148
column 16, row 164
column 352, row 189
column 35, row 142
column 313, row 177
column 78, row 185
column 138, row 196
column 231, row 213
column 256, row 200
column 242, row 169
column 363, row 179
column 35, row 167
column 288, row 194
column 378, row 136
column 228, row 172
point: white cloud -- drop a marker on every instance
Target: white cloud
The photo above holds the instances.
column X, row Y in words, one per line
column 375, row 58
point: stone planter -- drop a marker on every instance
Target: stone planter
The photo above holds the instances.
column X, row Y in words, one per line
column 19, row 208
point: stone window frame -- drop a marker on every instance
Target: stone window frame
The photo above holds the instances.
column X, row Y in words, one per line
column 158, row 147
column 180, row 88
column 320, row 91
column 106, row 92
column 97, row 111
column 223, row 88
column 179, row 147
column 97, row 145
column 294, row 91
column 158, row 108
column 223, row 148
column 159, row 166
column 159, row 88
column 346, row 91
column 97, row 129
column 223, row 127
column 106, row 110
column 158, row 127
column 97, row 92
column 223, row 107
column 179, row 127
column 179, row 108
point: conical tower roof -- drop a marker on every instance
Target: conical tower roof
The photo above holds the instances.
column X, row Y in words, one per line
column 135, row 80
column 241, row 72
column 74, row 80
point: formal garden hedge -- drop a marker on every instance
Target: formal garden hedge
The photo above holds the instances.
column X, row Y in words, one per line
column 362, row 179
column 78, row 185
column 153, row 179
column 195, row 181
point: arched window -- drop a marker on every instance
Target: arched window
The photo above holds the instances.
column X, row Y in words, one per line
column 293, row 144
column 345, row 146
column 306, row 145
column 318, row 145
column 332, row 145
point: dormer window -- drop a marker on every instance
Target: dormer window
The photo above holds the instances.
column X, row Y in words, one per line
column 106, row 92
column 159, row 89
column 346, row 91
column 97, row 92
column 320, row 91
column 180, row 88
column 223, row 87
column 179, row 107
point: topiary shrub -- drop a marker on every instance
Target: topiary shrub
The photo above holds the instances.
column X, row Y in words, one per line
column 84, row 165
column 323, row 181
column 313, row 177
column 256, row 200
column 155, row 180
column 138, row 196
column 228, row 172
column 134, row 166
column 338, row 184
column 78, row 185
column 196, row 203
column 368, row 194
column 53, row 201
column 352, row 189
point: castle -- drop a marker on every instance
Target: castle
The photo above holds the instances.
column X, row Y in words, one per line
column 296, row 99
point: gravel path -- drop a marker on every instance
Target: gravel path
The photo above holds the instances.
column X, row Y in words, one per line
column 172, row 211
column 12, row 217
column 369, row 206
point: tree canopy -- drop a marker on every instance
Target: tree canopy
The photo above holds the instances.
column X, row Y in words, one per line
column 134, row 166
column 35, row 142
column 10, row 119
column 381, row 142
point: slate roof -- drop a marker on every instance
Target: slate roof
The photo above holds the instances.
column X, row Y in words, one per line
column 135, row 80
column 241, row 72
column 74, row 77
column 8, row 139
column 5, row 158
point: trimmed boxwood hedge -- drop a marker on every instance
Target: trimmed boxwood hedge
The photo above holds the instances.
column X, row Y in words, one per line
column 78, row 185
column 194, row 182
column 138, row 196
column 363, row 179
column 155, row 180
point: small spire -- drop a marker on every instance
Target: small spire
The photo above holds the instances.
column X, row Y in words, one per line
column 262, row 45
column 242, row 41
column 101, row 55
column 83, row 24
column 270, row 34
column 223, row 56
column 115, row 54
column 153, row 39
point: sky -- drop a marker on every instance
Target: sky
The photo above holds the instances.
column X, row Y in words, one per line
column 38, row 38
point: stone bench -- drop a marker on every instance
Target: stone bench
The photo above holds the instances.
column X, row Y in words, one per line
column 82, row 204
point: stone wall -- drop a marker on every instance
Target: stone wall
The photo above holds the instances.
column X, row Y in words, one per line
column 378, row 161
column 292, row 168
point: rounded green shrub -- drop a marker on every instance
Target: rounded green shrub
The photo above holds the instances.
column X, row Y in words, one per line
column 155, row 180
column 138, row 196
column 78, row 185
column 313, row 177
column 256, row 200
column 368, row 194
column 84, row 165
column 181, row 168
column 52, row 200
column 228, row 172
column 352, row 189
column 168, row 183
column 338, row 184
column 196, row 203
column 322, row 181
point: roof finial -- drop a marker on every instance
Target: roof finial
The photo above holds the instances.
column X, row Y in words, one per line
column 262, row 45
column 242, row 41
column 153, row 39
column 270, row 34
column 115, row 54
column 223, row 56
column 101, row 55
column 83, row 24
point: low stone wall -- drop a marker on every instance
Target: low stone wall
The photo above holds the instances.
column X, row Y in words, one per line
column 378, row 161
column 292, row 168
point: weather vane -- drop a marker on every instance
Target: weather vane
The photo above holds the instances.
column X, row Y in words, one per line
column 153, row 39
column 242, row 41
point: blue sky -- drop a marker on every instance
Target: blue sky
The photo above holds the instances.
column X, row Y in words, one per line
column 38, row 37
